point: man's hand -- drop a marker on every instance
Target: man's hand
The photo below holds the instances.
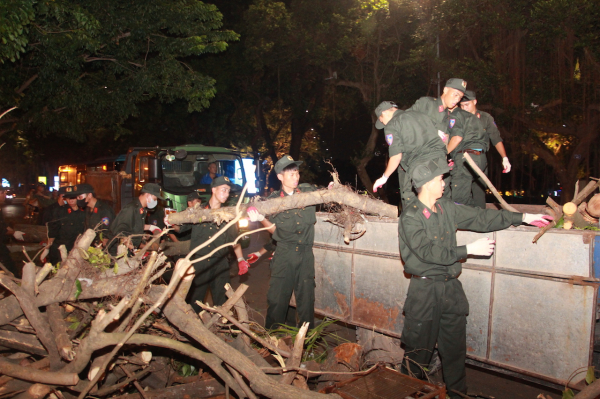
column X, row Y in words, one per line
column 482, row 247
column 379, row 183
column 537, row 219
column 166, row 221
column 243, row 266
column 505, row 165
column 253, row 257
column 19, row 235
column 254, row 215
column 152, row 228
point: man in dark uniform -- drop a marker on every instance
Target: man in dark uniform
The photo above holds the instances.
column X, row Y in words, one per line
column 132, row 220
column 50, row 213
column 5, row 232
column 467, row 187
column 436, row 306
column 293, row 264
column 67, row 226
column 98, row 214
column 412, row 137
column 213, row 272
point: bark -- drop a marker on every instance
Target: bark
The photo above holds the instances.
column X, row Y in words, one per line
column 59, row 329
column 296, row 358
column 195, row 390
column 31, row 374
column 592, row 391
column 240, row 310
column 182, row 316
column 338, row 194
column 22, row 342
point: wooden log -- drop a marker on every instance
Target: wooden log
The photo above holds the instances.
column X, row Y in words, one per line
column 196, row 390
column 593, row 206
column 34, row 375
column 296, row 358
column 22, row 342
column 569, row 210
column 59, row 328
column 338, row 194
column 28, row 279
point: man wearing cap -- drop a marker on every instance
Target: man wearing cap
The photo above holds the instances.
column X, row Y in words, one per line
column 467, row 187
column 5, row 232
column 213, row 272
column 412, row 139
column 131, row 220
column 68, row 225
column 293, row 264
column 51, row 211
column 436, row 306
column 98, row 214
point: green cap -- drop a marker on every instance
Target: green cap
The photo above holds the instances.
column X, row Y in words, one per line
column 74, row 191
column 457, row 83
column 384, row 106
column 193, row 195
column 469, row 96
column 152, row 188
column 219, row 181
column 424, row 172
column 284, row 162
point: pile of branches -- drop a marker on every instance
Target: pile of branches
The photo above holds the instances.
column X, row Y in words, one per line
column 79, row 331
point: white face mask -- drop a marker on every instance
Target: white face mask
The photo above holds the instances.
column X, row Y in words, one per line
column 152, row 202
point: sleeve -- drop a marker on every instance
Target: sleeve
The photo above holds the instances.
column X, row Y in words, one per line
column 420, row 106
column 397, row 146
column 53, row 225
column 414, row 235
column 459, row 128
column 123, row 223
column 485, row 220
column 493, row 131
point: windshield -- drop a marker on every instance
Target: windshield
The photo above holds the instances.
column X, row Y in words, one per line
column 196, row 171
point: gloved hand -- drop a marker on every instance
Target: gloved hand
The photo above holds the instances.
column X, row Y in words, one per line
column 254, row 215
column 152, row 228
column 443, row 136
column 537, row 219
column 166, row 221
column 379, row 183
column 44, row 254
column 19, row 235
column 451, row 164
column 243, row 266
column 330, row 185
column 253, row 257
column 482, row 247
column 505, row 165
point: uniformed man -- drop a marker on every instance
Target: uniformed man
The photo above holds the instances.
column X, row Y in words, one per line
column 5, row 232
column 131, row 220
column 436, row 306
column 51, row 211
column 213, row 272
column 64, row 230
column 293, row 264
column 98, row 214
column 412, row 137
column 467, row 187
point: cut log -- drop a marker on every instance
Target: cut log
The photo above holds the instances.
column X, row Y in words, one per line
column 196, row 390
column 22, row 342
column 33, row 375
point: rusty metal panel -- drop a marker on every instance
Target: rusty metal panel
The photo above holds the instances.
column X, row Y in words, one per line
column 333, row 277
column 556, row 253
column 379, row 292
column 477, row 285
column 541, row 326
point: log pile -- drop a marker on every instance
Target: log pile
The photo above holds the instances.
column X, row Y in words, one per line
column 81, row 332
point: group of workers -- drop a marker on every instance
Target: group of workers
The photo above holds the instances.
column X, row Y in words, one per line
column 427, row 146
column 427, row 143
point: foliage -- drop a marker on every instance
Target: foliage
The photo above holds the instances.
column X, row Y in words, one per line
column 15, row 19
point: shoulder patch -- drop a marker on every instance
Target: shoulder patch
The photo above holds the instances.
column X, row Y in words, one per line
column 389, row 139
column 105, row 221
column 452, row 123
column 411, row 211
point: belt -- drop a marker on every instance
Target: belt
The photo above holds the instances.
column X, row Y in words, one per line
column 472, row 152
column 435, row 278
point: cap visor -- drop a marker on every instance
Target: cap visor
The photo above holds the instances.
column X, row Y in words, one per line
column 379, row 125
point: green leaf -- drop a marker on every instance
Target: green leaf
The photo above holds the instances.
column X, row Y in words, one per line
column 590, row 377
column 78, row 292
column 116, row 268
column 568, row 394
column 73, row 326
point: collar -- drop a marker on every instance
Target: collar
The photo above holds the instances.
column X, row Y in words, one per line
column 425, row 210
column 440, row 105
column 282, row 192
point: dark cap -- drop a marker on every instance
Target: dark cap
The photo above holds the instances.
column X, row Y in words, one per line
column 219, row 181
column 193, row 195
column 384, row 106
column 424, row 172
column 469, row 96
column 457, row 83
column 284, row 162
column 68, row 191
column 152, row 188
column 62, row 190
column 79, row 189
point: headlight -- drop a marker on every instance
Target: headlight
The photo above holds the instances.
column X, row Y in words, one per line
column 243, row 223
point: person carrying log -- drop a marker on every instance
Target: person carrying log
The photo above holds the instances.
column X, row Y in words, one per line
column 436, row 306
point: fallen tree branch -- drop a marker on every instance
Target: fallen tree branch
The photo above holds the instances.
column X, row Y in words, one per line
column 338, row 194
column 296, row 358
column 487, row 181
column 34, row 375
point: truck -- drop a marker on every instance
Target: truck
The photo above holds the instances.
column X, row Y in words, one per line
column 177, row 169
column 533, row 307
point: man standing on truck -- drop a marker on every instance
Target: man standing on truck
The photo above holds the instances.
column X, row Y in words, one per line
column 211, row 175
column 98, row 215
column 131, row 220
column 436, row 306
column 293, row 264
column 467, row 187
column 412, row 137
column 213, row 272
column 69, row 224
